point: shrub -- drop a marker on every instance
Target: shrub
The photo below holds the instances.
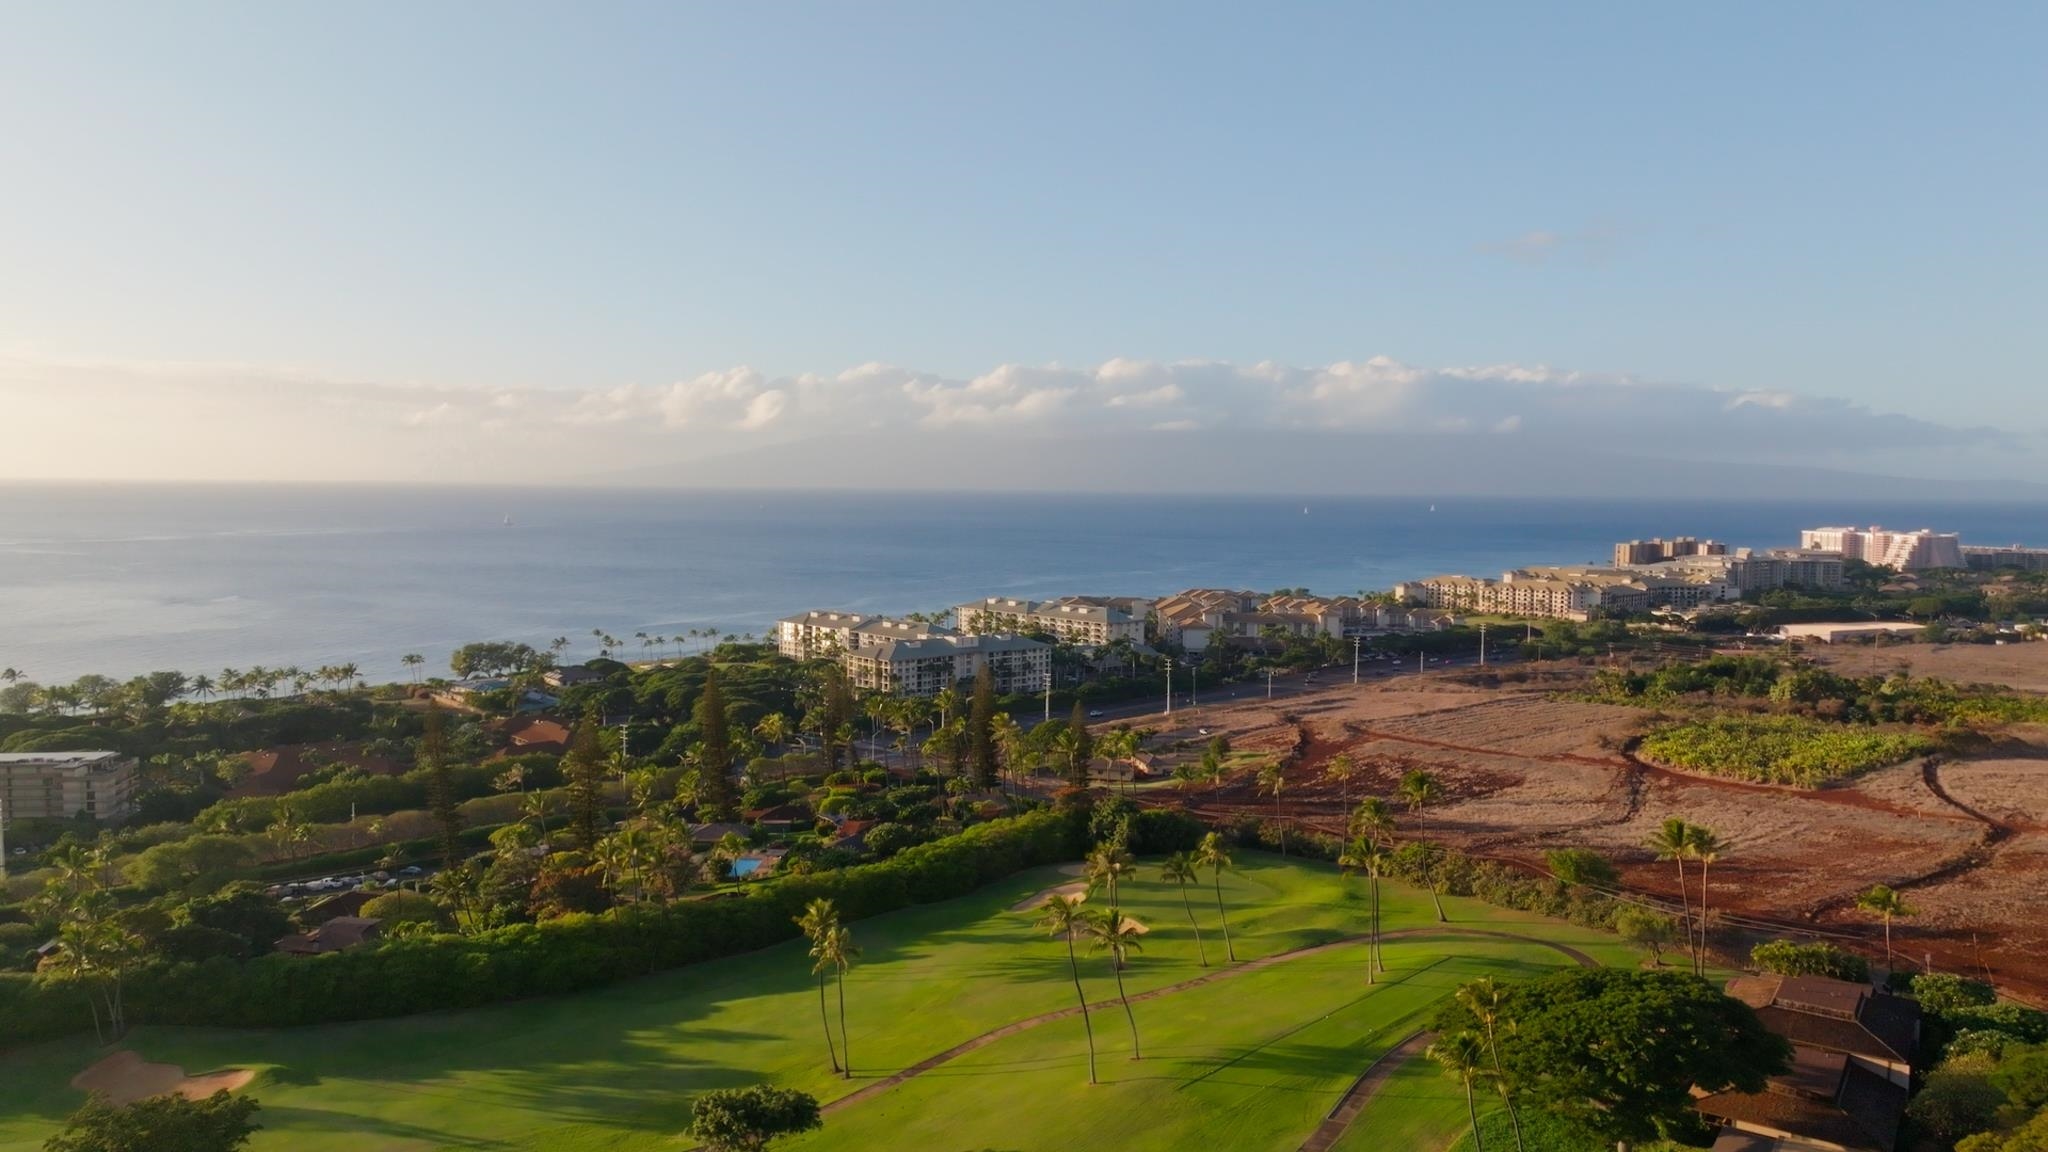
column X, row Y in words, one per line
column 1945, row 994
column 1778, row 749
column 1786, row 958
column 1958, row 1099
column 746, row 1119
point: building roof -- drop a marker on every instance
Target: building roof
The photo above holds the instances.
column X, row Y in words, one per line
column 333, row 936
column 932, row 647
column 1858, row 1109
column 779, row 813
column 537, row 732
column 94, row 758
column 340, row 904
column 712, row 833
column 1837, row 1015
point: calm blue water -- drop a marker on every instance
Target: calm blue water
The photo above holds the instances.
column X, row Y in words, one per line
column 127, row 579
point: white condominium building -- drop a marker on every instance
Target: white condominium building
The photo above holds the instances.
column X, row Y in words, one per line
column 60, row 785
column 814, row 634
column 1074, row 620
column 927, row 666
column 1904, row 551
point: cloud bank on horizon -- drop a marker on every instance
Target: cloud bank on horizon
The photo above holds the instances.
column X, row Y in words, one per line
column 79, row 420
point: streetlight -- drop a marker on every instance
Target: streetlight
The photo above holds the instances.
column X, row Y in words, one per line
column 1354, row 658
column 1482, row 645
column 1269, row 683
column 1169, row 686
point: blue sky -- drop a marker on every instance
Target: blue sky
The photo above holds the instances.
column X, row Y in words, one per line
column 1830, row 200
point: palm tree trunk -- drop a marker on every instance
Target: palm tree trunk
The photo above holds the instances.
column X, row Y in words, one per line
column 1229, row 948
column 1684, row 901
column 1437, row 900
column 1887, row 944
column 1372, row 943
column 1189, row 905
column 1074, row 967
column 1699, row 955
column 826, row 1021
column 1472, row 1111
column 845, row 1041
column 1128, row 1014
column 1500, row 1078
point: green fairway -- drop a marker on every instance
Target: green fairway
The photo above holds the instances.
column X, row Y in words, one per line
column 1418, row 1107
column 1261, row 1055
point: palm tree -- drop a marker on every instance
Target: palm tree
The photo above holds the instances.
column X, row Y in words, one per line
column 1419, row 790
column 1373, row 817
column 1180, row 869
column 1460, row 1054
column 1887, row 905
column 1705, row 847
column 1062, row 916
column 819, row 920
column 773, row 730
column 1340, row 771
column 843, row 952
column 1367, row 855
column 535, row 806
column 1485, row 999
column 202, row 684
column 1212, row 855
column 1117, row 934
column 11, row 675
column 1673, row 841
column 1107, row 866
column 947, row 699
column 1272, row 782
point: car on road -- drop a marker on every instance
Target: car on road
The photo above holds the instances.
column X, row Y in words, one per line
column 1095, row 713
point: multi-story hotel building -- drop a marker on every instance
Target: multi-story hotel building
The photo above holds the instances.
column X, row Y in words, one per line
column 1904, row 551
column 1631, row 552
column 927, row 666
column 60, row 785
column 1074, row 620
column 815, row 634
column 2029, row 559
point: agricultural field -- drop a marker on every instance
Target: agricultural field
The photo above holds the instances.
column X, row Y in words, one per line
column 1260, row 1051
column 1778, row 749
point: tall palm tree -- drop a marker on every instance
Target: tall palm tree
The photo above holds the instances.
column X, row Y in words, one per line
column 842, row 951
column 1062, row 916
column 1373, row 817
column 1885, row 904
column 1484, row 999
column 946, row 701
column 1117, row 934
column 1673, row 841
column 1706, row 847
column 1272, row 782
column 1340, row 771
column 819, row 920
column 1461, row 1054
column 1180, row 869
column 1107, row 866
column 202, row 685
column 1211, row 854
column 10, row 675
column 1419, row 790
column 1367, row 855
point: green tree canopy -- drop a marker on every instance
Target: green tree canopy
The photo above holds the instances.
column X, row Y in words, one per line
column 746, row 1119
column 219, row 1123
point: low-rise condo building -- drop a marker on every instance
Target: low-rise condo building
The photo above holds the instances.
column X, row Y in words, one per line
column 61, row 785
column 1075, row 620
column 814, row 634
column 1987, row 559
column 931, row 664
column 1905, row 551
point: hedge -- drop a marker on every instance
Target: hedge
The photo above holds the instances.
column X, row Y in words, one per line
column 440, row 973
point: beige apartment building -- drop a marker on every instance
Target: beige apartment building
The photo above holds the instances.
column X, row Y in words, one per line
column 1905, row 551
column 814, row 634
column 1632, row 552
column 60, row 785
column 1074, row 620
column 929, row 665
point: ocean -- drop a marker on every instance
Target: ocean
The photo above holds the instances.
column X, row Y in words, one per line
column 125, row 579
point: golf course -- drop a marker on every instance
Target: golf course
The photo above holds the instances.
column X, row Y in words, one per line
column 969, row 995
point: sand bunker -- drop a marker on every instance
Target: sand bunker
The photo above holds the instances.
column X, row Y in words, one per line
column 126, row 1077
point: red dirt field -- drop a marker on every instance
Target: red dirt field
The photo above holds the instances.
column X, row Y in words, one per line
column 1524, row 771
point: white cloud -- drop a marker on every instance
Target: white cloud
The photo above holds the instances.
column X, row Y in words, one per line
column 1589, row 246
column 86, row 419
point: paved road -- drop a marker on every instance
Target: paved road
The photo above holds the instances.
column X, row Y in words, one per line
column 1336, row 676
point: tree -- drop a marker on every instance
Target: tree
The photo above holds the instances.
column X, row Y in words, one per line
column 1673, row 841
column 1179, row 870
column 412, row 662
column 1424, row 859
column 1080, row 746
column 840, row 949
column 1788, row 958
column 1614, row 1055
column 219, row 1123
column 981, row 736
column 1272, row 782
column 1460, row 1054
column 1061, row 915
column 1647, row 930
column 1117, row 934
column 718, row 794
column 1581, row 868
column 1107, row 866
column 747, row 1119
column 1887, row 905
column 1367, row 855
column 818, row 922
column 583, row 770
column 1485, row 999
column 1419, row 790
column 1373, row 817
column 1211, row 854
column 432, row 754
column 1705, row 847
column 1340, row 771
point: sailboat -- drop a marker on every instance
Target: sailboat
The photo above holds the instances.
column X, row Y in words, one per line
column 508, row 519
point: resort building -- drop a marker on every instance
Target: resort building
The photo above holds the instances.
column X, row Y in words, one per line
column 1904, row 551
column 929, row 665
column 61, row 785
column 2027, row 559
column 1075, row 620
column 1852, row 1052
column 814, row 634
column 1632, row 552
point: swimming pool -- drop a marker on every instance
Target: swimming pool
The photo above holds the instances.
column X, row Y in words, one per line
column 746, row 866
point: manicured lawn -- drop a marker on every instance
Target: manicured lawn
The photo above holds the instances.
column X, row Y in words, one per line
column 1417, row 1108
column 1260, row 1056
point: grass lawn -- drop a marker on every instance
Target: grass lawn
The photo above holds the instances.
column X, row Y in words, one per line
column 1264, row 1054
column 1417, row 1108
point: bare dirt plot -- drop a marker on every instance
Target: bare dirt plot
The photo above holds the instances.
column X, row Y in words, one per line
column 1525, row 724
column 2011, row 790
column 2021, row 666
column 126, row 1077
column 1979, row 919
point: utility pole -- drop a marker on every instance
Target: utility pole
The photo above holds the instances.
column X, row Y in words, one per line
column 3, row 837
column 1194, row 685
column 1354, row 658
column 1048, row 690
column 1421, row 663
column 1482, row 645
column 1269, row 683
column 1169, row 686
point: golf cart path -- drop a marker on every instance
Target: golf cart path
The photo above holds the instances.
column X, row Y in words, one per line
column 869, row 1091
column 1367, row 1086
